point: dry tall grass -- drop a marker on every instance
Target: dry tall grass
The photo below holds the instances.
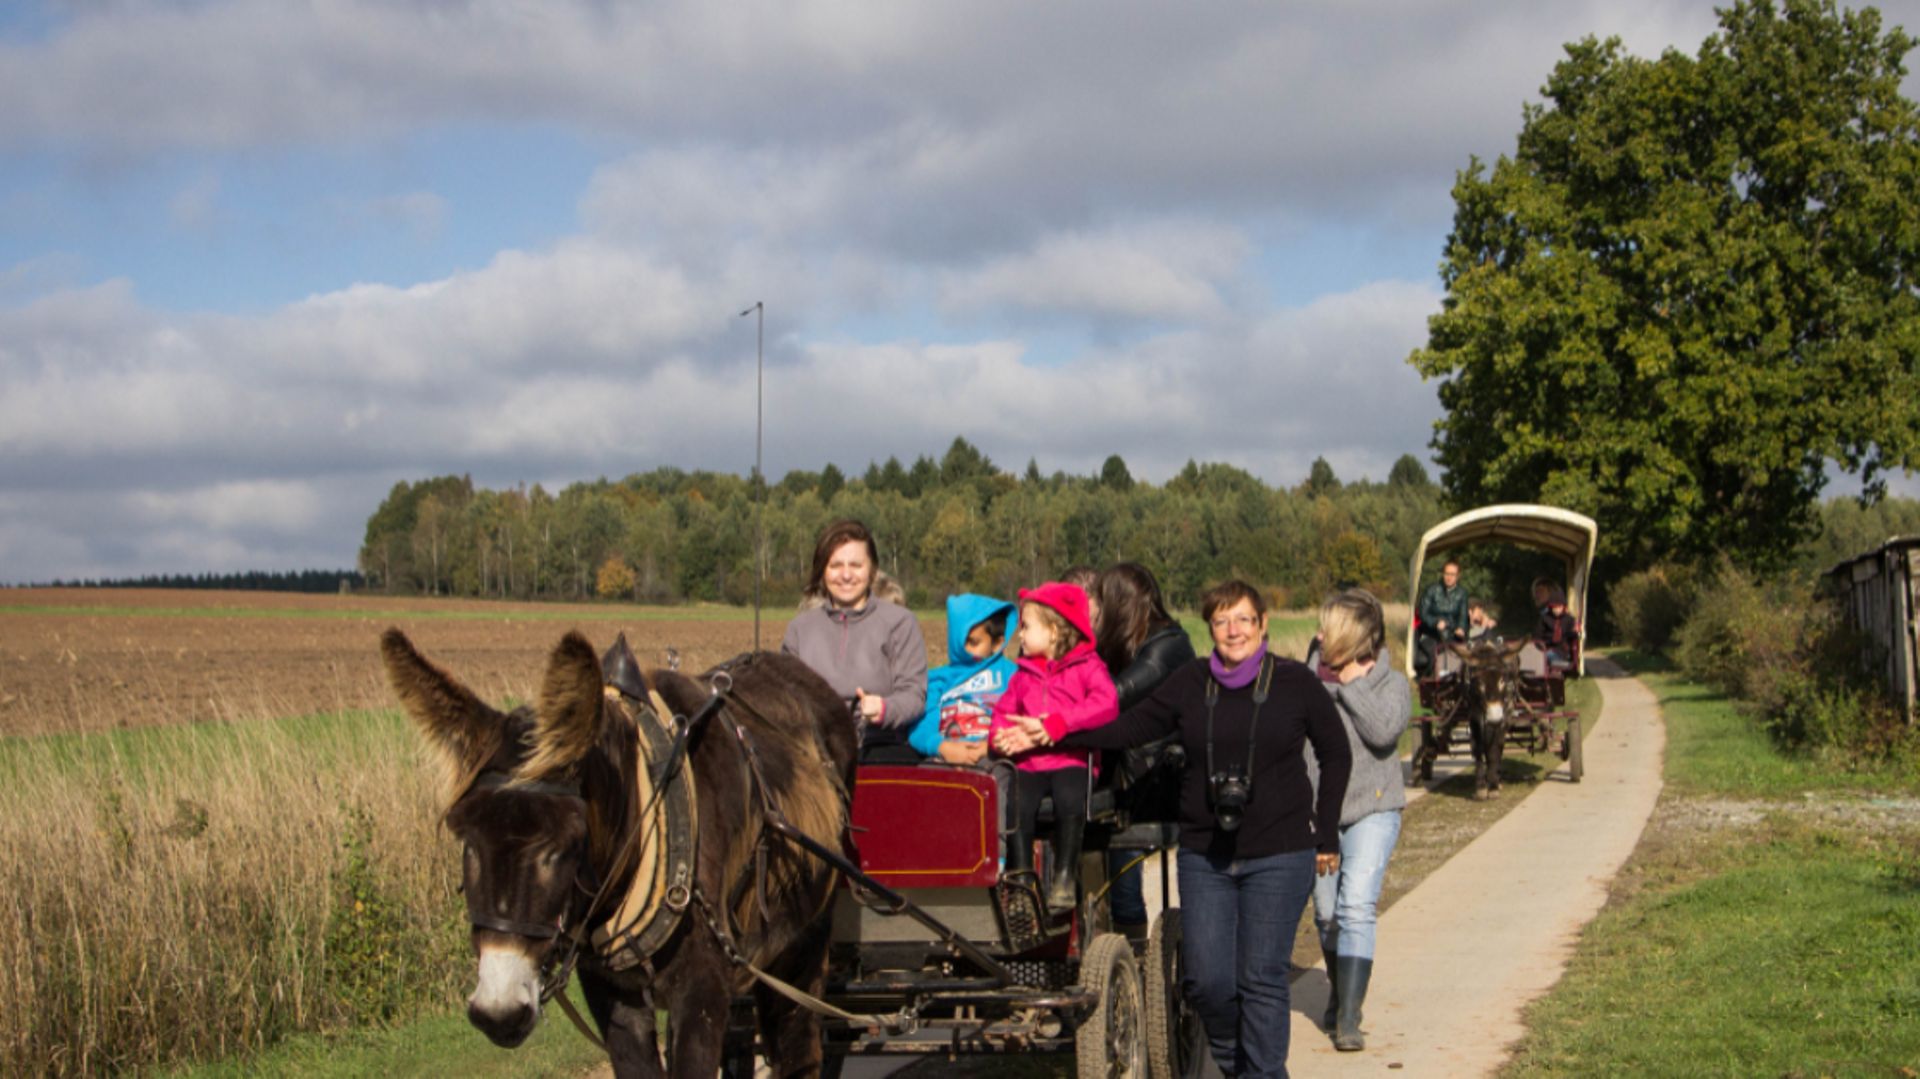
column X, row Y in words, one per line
column 168, row 894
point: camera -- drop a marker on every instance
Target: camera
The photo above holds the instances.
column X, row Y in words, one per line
column 1229, row 789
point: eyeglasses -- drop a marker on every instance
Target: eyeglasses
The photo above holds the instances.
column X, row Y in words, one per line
column 1235, row 621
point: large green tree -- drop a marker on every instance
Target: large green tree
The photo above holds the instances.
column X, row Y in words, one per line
column 1691, row 287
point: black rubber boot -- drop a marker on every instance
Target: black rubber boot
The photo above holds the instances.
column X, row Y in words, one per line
column 1022, row 907
column 1352, row 982
column 1068, row 834
column 1333, row 990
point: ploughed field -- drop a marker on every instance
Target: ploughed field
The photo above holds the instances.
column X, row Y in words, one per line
column 96, row 659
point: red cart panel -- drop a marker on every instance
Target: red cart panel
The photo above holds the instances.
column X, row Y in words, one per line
column 927, row 827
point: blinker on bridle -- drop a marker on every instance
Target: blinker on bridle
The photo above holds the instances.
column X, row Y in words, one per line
column 493, row 779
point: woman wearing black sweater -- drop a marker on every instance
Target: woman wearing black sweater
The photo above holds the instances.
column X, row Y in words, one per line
column 1253, row 832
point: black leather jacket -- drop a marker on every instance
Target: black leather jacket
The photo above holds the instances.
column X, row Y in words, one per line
column 1165, row 650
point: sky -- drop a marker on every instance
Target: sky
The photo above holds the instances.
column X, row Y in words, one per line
column 262, row 259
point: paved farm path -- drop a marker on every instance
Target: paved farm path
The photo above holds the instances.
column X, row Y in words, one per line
column 1461, row 954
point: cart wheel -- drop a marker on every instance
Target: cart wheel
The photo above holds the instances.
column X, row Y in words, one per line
column 1110, row 1042
column 1576, row 758
column 1423, row 767
column 1176, row 1042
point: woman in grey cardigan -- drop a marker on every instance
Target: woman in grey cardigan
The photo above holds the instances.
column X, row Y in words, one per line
column 1374, row 702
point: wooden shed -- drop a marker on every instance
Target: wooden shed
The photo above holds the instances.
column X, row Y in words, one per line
column 1876, row 589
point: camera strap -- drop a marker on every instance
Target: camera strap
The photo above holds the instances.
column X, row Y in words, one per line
column 1261, row 685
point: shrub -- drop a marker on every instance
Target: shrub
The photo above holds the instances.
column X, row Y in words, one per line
column 1649, row 606
column 374, row 950
column 1735, row 632
column 1795, row 664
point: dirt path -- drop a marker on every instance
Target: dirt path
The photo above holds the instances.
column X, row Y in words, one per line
column 1461, row 954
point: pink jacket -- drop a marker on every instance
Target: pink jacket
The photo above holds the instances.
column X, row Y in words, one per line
column 1072, row 693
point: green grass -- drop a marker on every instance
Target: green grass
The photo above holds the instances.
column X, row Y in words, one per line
column 440, row 1045
column 1766, row 925
column 1713, row 747
column 142, row 752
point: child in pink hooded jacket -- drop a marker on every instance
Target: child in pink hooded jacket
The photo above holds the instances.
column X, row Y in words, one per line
column 1062, row 682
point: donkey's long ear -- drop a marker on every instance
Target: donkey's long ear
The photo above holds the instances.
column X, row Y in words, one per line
column 571, row 699
column 460, row 727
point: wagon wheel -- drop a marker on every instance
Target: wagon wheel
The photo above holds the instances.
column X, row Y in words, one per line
column 1110, row 1042
column 1423, row 757
column 1576, row 757
column 1176, row 1042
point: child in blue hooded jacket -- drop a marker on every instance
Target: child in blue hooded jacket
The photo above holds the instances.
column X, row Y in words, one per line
column 961, row 695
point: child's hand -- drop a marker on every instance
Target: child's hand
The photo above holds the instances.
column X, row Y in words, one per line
column 954, row 751
column 1011, row 741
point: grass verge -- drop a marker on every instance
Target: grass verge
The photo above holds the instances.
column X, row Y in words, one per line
column 1766, row 925
column 438, row 1045
column 200, row 891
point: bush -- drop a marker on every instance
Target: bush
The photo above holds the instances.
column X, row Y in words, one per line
column 1795, row 664
column 1649, row 606
column 1736, row 632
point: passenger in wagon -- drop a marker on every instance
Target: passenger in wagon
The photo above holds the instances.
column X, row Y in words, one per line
column 1375, row 704
column 1481, row 619
column 1142, row 645
column 1254, row 831
column 869, row 650
column 1062, row 687
column 961, row 695
column 1557, row 633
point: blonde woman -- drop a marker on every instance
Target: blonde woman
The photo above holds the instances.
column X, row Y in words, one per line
column 1374, row 702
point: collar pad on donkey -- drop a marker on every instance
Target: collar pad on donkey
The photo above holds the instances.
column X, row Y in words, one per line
column 666, row 829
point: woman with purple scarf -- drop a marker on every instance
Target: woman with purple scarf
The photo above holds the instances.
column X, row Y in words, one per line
column 1254, row 833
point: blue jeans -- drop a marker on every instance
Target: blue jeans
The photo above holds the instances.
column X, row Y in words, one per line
column 1127, row 895
column 1346, row 904
column 1237, row 923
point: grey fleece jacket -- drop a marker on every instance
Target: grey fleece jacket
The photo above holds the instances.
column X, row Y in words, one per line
column 1375, row 709
column 877, row 648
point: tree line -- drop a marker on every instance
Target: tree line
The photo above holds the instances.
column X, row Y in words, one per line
column 303, row 580
column 955, row 523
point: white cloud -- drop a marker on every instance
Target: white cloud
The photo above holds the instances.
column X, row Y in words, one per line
column 281, row 505
column 1170, row 271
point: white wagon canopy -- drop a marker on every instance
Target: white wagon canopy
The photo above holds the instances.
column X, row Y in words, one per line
column 1565, row 534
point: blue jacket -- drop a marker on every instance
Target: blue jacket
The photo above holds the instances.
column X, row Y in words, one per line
column 960, row 695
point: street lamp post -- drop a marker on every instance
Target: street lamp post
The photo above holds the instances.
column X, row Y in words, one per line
column 760, row 479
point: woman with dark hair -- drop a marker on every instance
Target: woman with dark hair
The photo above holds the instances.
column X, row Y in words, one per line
column 1254, row 831
column 869, row 650
column 1141, row 644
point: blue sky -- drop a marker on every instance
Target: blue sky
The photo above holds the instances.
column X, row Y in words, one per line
column 260, row 259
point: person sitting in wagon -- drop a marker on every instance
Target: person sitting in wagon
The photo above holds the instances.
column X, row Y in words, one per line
column 1062, row 685
column 961, row 695
column 1481, row 620
column 1557, row 634
column 1443, row 615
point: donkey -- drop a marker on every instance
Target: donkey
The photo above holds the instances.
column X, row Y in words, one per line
column 571, row 850
column 1491, row 685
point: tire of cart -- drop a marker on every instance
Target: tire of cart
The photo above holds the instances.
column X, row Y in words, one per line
column 1176, row 1042
column 1111, row 1040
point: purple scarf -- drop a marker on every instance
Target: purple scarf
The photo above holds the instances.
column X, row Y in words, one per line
column 1241, row 676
